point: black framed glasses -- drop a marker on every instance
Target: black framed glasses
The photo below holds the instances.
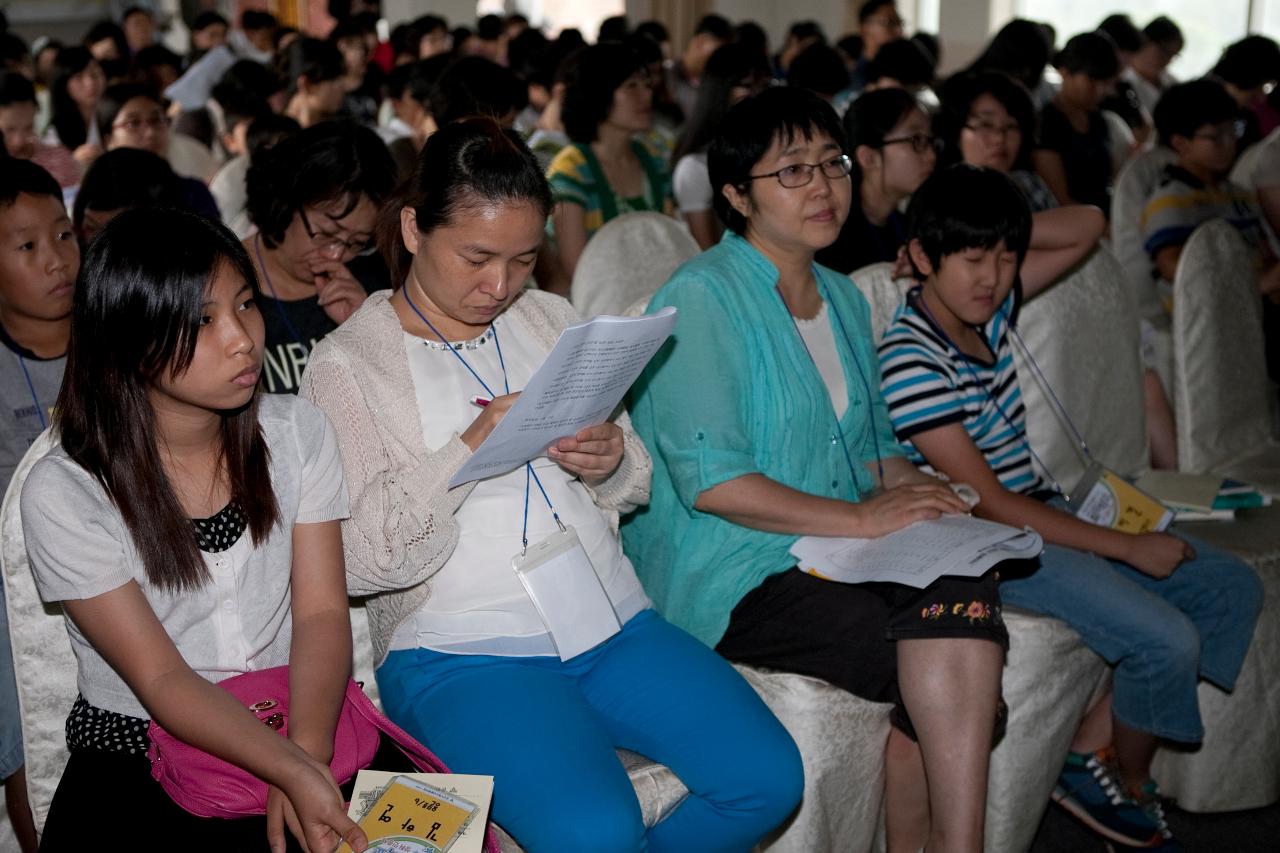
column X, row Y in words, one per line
column 991, row 129
column 801, row 174
column 920, row 142
column 332, row 243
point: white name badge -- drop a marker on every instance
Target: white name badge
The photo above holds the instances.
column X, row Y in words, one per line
column 564, row 586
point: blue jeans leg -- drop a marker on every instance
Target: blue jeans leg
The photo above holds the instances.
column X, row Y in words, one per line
column 546, row 728
column 1153, row 645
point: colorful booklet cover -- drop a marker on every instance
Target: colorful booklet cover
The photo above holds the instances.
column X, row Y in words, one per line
column 410, row 816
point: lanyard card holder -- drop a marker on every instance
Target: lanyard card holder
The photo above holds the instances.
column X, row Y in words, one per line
column 559, row 578
column 1104, row 498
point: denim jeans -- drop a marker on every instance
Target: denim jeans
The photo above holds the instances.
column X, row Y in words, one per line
column 1161, row 636
column 547, row 731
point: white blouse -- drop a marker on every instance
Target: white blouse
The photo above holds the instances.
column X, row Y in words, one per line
column 477, row 603
column 239, row 621
column 820, row 340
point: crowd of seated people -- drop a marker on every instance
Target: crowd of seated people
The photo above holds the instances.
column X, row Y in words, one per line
column 269, row 295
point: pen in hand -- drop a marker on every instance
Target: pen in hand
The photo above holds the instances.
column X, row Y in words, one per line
column 481, row 402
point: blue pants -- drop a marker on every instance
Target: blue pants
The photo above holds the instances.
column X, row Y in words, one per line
column 11, row 756
column 1161, row 636
column 547, row 731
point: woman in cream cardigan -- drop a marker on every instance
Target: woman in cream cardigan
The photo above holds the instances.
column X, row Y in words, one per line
column 477, row 658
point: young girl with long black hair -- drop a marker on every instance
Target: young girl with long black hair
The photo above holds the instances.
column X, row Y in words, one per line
column 189, row 528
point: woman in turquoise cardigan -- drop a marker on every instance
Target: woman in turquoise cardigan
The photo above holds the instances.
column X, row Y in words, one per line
column 765, row 421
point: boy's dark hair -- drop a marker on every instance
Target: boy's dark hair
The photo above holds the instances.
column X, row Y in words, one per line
column 819, row 68
column 465, row 163
column 751, row 127
column 208, row 19
column 714, row 25
column 107, row 29
column 533, row 58
column 968, row 207
column 1249, row 63
column 114, row 98
column 928, row 42
column 155, row 55
column 654, row 30
column 22, row 177
column 1020, row 49
column 253, row 19
column 124, row 179
column 473, row 86
column 1123, row 31
column 266, row 130
column 428, row 24
column 870, row 7
column 314, row 59
column 1093, row 54
column 1164, row 32
column 13, row 50
column 489, row 28
column 591, row 76
column 135, row 319
column 327, row 162
column 15, row 88
column 957, row 97
column 902, row 60
column 252, row 78
column 752, row 35
column 136, row 10
column 802, row 30
column 1185, row 108
column 615, row 28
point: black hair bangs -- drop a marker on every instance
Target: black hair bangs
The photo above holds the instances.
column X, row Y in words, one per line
column 968, row 207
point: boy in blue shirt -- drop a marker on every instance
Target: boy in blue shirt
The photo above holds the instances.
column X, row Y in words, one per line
column 1162, row 612
column 39, row 261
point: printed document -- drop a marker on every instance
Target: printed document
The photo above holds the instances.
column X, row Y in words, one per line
column 918, row 554
column 579, row 385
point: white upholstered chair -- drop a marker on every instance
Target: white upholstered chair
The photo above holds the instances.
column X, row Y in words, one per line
column 628, row 259
column 883, row 293
column 1221, row 388
column 1083, row 333
column 1133, row 187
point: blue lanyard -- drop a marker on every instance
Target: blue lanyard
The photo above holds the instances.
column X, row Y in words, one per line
column 1020, row 433
column 528, row 467
column 866, row 387
column 22, row 362
column 266, row 279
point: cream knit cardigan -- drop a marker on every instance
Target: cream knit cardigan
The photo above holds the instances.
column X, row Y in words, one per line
column 401, row 530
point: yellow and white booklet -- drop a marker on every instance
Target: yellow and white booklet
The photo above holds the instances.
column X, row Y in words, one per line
column 417, row 812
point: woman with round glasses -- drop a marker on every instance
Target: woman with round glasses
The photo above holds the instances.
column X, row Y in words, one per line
column 765, row 423
column 893, row 152
column 131, row 115
column 313, row 198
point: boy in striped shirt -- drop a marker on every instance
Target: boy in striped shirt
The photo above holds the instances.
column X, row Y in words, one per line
column 1163, row 612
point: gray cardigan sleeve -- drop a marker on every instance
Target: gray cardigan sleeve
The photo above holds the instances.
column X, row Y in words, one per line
column 401, row 530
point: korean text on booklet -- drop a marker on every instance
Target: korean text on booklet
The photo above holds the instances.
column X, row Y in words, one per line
column 413, row 817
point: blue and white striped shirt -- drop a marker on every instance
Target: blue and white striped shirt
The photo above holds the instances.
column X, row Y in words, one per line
column 928, row 383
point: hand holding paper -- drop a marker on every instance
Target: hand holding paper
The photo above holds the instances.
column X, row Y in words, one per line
column 579, row 385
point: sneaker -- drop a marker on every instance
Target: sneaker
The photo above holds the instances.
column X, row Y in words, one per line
column 1151, row 802
column 1090, row 789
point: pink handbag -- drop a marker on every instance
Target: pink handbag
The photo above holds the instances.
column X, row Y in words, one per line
column 207, row 786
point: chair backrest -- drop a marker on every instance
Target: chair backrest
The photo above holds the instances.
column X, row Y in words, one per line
column 1219, row 371
column 628, row 259
column 1119, row 139
column 44, row 664
column 1083, row 334
column 883, row 293
column 1133, row 187
column 1259, row 164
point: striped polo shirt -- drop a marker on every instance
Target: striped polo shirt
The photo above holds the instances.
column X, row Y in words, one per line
column 928, row 383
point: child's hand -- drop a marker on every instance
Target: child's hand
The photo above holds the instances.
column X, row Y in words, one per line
column 315, row 805
column 1158, row 554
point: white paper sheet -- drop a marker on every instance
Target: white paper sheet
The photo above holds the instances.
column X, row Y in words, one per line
column 579, row 385
column 919, row 554
column 477, row 789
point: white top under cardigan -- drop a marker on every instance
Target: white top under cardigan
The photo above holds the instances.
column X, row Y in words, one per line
column 239, row 621
column 820, row 340
column 403, row 528
column 477, row 603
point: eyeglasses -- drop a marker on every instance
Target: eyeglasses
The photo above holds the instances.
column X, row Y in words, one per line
column 1226, row 132
column 801, row 174
column 991, row 129
column 137, row 124
column 333, row 244
column 920, row 142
